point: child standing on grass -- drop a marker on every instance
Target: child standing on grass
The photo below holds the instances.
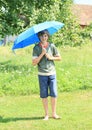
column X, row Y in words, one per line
column 44, row 55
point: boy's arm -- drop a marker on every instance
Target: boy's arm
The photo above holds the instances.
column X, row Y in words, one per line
column 49, row 57
column 55, row 54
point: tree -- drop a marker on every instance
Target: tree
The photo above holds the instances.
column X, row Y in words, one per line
column 14, row 16
column 70, row 34
column 17, row 15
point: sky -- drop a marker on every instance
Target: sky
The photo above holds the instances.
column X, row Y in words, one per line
column 88, row 2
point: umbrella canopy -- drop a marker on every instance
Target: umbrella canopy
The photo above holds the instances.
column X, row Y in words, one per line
column 30, row 36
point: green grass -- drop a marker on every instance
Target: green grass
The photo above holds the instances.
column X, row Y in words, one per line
column 75, row 70
column 26, row 112
column 19, row 77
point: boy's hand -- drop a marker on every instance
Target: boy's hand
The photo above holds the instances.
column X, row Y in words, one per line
column 35, row 61
column 49, row 57
column 43, row 51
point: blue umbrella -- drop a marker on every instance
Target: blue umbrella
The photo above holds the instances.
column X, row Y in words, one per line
column 30, row 36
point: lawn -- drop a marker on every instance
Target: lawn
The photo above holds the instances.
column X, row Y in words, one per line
column 20, row 105
column 26, row 112
column 19, row 77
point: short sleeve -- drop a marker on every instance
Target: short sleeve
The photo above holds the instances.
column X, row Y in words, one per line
column 34, row 54
column 55, row 51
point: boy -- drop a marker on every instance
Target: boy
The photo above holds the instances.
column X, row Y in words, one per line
column 44, row 55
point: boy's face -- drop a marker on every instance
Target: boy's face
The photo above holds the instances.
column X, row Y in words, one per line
column 43, row 38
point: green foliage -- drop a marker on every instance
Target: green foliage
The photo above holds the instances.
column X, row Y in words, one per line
column 70, row 34
column 11, row 11
column 17, row 15
column 86, row 33
column 19, row 77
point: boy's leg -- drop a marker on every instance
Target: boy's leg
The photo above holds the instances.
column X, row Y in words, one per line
column 43, row 83
column 53, row 94
column 45, row 104
column 53, row 105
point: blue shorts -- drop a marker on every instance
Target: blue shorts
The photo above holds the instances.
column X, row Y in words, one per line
column 48, row 86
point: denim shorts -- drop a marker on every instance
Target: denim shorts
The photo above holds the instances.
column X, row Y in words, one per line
column 48, row 86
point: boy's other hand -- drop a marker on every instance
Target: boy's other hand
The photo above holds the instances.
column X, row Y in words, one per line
column 43, row 51
column 49, row 57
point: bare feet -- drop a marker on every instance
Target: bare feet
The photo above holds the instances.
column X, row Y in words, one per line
column 56, row 117
column 46, row 118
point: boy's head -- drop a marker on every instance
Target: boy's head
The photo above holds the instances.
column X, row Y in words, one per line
column 41, row 33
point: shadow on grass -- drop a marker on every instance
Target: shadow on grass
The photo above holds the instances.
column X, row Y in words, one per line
column 11, row 119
